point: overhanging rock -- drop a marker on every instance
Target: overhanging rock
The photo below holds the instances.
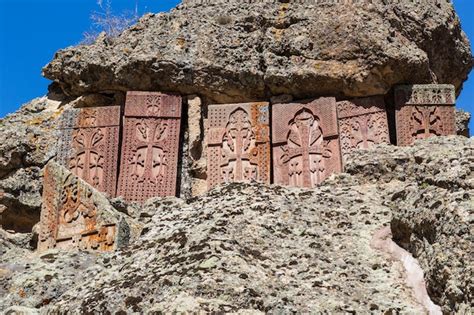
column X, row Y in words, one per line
column 240, row 51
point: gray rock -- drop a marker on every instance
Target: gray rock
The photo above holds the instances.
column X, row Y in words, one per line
column 252, row 249
column 436, row 226
column 462, row 122
column 27, row 142
column 241, row 247
column 234, row 50
column 430, row 190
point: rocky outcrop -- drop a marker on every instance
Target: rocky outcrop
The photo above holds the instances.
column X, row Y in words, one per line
column 241, row 247
column 252, row 50
column 436, row 226
column 432, row 210
column 462, row 122
column 27, row 142
column 252, row 248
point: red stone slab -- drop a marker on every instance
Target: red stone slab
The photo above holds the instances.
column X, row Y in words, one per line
column 238, row 143
column 70, row 217
column 362, row 123
column 150, row 146
column 424, row 111
column 89, row 145
column 305, row 142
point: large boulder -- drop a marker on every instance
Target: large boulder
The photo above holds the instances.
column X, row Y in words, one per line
column 250, row 50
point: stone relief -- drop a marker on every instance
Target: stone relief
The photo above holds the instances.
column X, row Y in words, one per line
column 305, row 142
column 150, row 146
column 423, row 111
column 69, row 215
column 362, row 123
column 89, row 144
column 308, row 138
column 239, row 143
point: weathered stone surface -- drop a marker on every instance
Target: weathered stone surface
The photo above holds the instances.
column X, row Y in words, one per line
column 28, row 139
column 432, row 201
column 75, row 216
column 305, row 142
column 436, row 225
column 89, row 145
column 196, row 175
column 241, row 51
column 238, row 143
column 243, row 247
column 250, row 248
column 423, row 111
column 362, row 123
column 462, row 122
column 150, row 146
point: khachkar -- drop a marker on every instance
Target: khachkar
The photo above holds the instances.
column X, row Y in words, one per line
column 150, row 146
column 89, row 145
column 362, row 123
column 305, row 142
column 238, row 143
column 423, row 111
column 76, row 216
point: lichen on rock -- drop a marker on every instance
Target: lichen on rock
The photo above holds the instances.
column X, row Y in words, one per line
column 237, row 51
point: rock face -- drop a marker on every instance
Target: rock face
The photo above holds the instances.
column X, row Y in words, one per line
column 462, row 122
column 252, row 248
column 27, row 141
column 232, row 51
column 391, row 235
column 432, row 210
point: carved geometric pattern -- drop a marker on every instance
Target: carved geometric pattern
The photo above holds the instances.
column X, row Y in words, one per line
column 150, row 146
column 423, row 111
column 362, row 123
column 238, row 143
column 88, row 145
column 305, row 141
column 69, row 215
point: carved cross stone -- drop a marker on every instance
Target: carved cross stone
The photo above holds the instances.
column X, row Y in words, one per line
column 75, row 216
column 88, row 145
column 305, row 151
column 238, row 143
column 149, row 159
column 150, row 146
column 362, row 123
column 423, row 111
column 426, row 122
column 305, row 142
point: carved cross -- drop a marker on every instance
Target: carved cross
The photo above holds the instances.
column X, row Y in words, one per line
column 149, row 159
column 364, row 133
column 237, row 145
column 425, row 122
column 305, row 151
column 87, row 162
column 153, row 103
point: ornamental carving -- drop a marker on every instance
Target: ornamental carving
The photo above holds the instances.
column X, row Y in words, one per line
column 426, row 94
column 423, row 111
column 305, row 142
column 238, row 143
column 150, row 146
column 69, row 214
column 362, row 123
column 88, row 145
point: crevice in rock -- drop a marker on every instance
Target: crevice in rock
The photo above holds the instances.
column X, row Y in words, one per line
column 19, row 219
column 382, row 240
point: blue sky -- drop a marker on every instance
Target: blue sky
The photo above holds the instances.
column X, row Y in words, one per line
column 31, row 31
